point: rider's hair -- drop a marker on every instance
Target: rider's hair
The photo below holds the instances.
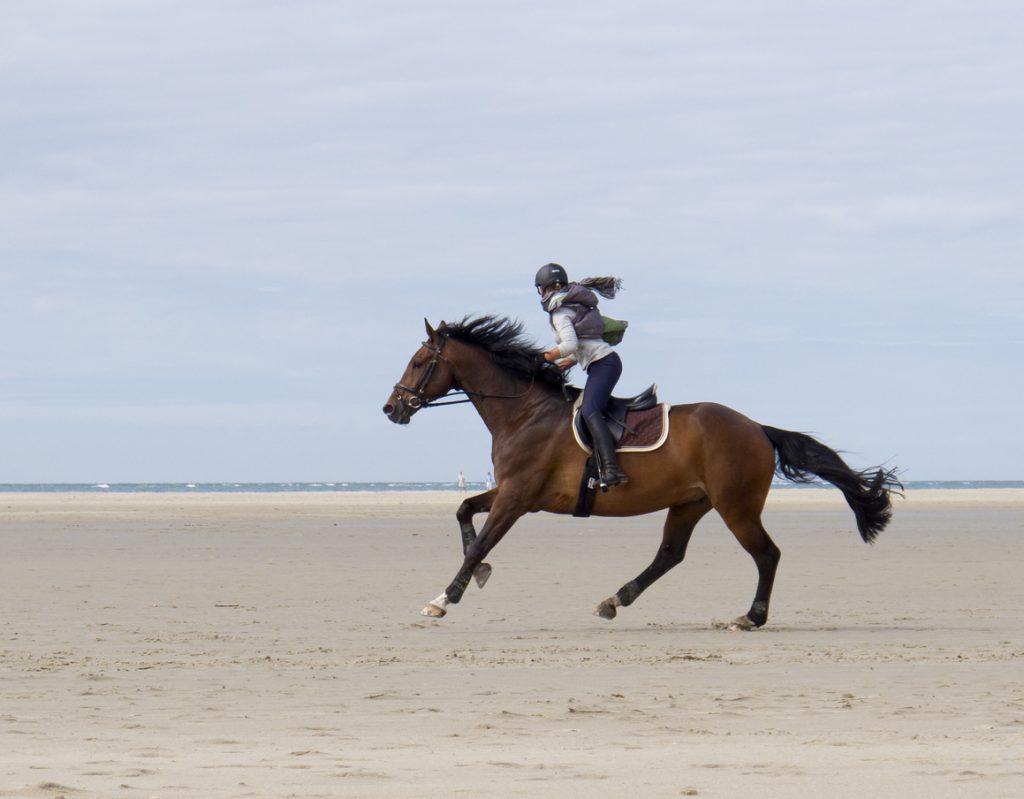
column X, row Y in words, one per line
column 607, row 287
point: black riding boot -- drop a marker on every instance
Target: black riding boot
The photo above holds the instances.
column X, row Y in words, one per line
column 604, row 445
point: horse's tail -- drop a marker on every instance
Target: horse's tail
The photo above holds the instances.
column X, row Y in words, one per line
column 802, row 458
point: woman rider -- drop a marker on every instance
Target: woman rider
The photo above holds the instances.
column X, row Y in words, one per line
column 579, row 328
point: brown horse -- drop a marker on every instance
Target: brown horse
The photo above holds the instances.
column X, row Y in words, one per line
column 714, row 457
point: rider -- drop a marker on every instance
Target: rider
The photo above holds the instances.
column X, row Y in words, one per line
column 578, row 330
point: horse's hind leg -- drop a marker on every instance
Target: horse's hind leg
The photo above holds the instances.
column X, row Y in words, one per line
column 481, row 503
column 755, row 539
column 676, row 535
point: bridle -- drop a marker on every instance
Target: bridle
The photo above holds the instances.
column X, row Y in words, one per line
column 418, row 399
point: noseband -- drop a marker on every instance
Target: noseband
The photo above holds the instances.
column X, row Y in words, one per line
column 418, row 399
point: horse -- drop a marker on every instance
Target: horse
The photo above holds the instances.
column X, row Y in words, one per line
column 714, row 457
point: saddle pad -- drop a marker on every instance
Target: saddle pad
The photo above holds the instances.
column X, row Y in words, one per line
column 645, row 430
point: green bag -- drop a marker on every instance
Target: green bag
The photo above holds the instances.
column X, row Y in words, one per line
column 614, row 329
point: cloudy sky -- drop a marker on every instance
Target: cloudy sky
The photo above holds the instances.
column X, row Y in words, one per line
column 222, row 223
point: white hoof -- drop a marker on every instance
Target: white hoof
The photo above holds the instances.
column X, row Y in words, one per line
column 437, row 608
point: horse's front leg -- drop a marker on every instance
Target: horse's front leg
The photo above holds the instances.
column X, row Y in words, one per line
column 481, row 503
column 503, row 513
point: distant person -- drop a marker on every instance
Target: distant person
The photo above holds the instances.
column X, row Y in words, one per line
column 462, row 482
column 490, row 482
column 579, row 338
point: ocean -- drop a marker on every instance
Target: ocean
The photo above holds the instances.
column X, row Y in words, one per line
column 342, row 487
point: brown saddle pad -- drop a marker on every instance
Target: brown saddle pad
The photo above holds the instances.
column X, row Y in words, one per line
column 645, row 430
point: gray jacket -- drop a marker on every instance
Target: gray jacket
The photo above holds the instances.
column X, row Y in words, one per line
column 578, row 325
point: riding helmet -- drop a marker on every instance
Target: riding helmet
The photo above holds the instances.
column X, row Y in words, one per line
column 549, row 274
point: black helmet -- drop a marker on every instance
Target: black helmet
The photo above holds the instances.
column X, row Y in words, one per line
column 549, row 274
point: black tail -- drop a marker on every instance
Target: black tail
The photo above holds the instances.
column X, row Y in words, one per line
column 802, row 458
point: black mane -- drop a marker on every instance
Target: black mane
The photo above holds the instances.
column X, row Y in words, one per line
column 507, row 345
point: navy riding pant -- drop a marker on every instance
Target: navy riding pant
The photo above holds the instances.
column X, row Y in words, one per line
column 602, row 375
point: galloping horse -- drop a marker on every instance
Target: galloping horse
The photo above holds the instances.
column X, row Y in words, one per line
column 714, row 457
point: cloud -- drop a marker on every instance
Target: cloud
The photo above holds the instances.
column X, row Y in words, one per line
column 913, row 211
column 163, row 414
column 712, row 329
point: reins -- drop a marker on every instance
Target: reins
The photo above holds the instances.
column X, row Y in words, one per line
column 419, row 399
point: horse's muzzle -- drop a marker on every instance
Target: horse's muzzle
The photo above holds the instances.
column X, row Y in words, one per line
column 398, row 410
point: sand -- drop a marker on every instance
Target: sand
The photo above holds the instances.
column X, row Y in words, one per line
column 271, row 646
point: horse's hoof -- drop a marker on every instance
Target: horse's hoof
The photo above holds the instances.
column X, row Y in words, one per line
column 482, row 574
column 606, row 610
column 434, row 611
column 742, row 624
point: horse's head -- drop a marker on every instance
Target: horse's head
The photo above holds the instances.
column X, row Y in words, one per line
column 428, row 376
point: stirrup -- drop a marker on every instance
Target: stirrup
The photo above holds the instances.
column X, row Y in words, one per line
column 616, row 478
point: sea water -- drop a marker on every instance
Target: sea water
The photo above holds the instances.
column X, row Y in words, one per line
column 342, row 486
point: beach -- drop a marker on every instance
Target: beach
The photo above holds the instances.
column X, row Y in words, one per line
column 271, row 645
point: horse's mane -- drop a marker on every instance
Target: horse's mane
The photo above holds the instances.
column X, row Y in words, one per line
column 507, row 346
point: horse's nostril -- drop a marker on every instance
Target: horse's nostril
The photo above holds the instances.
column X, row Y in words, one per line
column 389, row 409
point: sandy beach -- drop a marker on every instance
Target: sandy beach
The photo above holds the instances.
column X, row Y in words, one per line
column 270, row 645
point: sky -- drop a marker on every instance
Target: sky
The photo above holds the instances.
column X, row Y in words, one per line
column 222, row 224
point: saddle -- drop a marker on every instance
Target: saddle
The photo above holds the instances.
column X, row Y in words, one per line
column 637, row 423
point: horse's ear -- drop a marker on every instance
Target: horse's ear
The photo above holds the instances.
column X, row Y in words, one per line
column 431, row 333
